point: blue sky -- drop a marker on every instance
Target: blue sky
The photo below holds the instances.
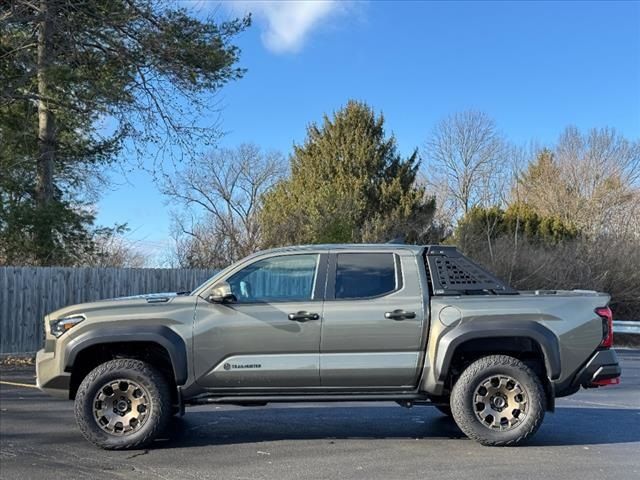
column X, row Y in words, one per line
column 535, row 67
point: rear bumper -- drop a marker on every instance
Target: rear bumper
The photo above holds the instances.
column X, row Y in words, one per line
column 603, row 366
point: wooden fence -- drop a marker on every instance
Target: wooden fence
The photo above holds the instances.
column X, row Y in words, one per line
column 27, row 294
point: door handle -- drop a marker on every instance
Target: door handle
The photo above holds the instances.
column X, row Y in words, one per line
column 303, row 316
column 399, row 315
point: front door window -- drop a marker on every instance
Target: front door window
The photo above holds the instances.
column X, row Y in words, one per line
column 287, row 278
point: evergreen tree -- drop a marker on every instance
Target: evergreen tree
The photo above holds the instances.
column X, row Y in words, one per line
column 348, row 183
column 78, row 81
column 480, row 225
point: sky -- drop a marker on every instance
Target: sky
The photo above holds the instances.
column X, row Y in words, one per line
column 534, row 67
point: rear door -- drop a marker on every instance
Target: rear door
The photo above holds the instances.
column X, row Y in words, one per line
column 373, row 320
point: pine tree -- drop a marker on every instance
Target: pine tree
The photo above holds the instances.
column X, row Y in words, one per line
column 348, row 183
column 80, row 80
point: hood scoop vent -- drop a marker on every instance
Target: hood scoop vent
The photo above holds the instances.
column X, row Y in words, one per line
column 157, row 299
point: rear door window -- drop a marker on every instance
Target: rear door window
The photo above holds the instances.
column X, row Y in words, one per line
column 363, row 275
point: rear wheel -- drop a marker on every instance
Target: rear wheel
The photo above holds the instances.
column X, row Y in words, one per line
column 123, row 404
column 498, row 400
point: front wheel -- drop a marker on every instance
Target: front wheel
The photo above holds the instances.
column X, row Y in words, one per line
column 498, row 400
column 123, row 404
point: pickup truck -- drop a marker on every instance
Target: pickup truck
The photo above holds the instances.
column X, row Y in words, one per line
column 418, row 325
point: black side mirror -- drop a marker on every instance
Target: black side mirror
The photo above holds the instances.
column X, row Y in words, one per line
column 221, row 293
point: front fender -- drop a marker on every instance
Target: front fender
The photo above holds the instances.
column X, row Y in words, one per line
column 160, row 334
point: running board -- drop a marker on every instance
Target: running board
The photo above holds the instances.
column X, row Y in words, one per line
column 263, row 399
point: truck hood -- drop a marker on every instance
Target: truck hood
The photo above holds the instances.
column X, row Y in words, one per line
column 152, row 296
column 149, row 300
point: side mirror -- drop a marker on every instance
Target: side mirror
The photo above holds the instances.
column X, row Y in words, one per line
column 221, row 293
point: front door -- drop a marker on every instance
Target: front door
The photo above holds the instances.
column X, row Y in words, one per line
column 372, row 327
column 269, row 337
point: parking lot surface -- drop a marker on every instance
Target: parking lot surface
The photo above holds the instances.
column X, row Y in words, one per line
column 594, row 434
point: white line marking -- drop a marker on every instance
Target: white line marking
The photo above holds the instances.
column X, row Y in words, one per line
column 16, row 384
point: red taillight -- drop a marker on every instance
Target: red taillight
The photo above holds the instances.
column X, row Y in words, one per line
column 607, row 326
column 607, row 381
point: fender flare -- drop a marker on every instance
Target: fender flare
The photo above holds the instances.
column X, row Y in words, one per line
column 160, row 334
column 530, row 329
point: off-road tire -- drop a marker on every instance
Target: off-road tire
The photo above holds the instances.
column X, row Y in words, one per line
column 143, row 374
column 463, row 405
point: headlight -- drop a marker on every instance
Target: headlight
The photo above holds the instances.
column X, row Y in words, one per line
column 61, row 325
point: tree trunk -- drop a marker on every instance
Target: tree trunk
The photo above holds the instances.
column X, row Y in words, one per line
column 46, row 135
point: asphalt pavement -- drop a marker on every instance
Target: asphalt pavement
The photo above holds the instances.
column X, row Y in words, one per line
column 594, row 434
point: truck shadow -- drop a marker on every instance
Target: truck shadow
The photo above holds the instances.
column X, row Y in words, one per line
column 568, row 426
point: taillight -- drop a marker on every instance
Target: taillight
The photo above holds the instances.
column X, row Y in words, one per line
column 607, row 326
column 607, row 381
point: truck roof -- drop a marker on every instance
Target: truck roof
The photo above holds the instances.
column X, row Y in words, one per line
column 351, row 246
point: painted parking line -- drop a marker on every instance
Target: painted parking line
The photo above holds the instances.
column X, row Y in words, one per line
column 16, row 384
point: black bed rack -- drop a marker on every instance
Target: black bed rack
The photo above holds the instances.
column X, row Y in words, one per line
column 451, row 273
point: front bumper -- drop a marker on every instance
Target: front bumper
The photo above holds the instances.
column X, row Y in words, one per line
column 602, row 368
column 49, row 377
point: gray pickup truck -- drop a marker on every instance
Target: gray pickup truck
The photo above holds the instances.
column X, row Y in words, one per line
column 410, row 324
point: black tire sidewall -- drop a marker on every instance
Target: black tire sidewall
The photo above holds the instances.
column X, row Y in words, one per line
column 136, row 371
column 463, row 408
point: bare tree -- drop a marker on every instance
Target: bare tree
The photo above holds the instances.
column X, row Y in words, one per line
column 117, row 251
column 467, row 163
column 112, row 248
column 220, row 197
column 608, row 266
column 445, row 211
column 590, row 180
column 467, row 160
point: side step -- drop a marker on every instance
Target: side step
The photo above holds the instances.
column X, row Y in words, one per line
column 353, row 397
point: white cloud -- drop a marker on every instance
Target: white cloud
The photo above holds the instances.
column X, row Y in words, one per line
column 287, row 24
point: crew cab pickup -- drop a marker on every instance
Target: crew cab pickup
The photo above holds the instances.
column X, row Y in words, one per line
column 410, row 324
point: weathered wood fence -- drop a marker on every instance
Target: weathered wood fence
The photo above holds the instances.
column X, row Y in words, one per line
column 27, row 294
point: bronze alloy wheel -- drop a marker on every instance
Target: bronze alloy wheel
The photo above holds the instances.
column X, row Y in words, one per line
column 500, row 402
column 121, row 407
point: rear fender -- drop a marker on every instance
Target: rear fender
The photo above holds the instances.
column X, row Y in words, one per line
column 541, row 335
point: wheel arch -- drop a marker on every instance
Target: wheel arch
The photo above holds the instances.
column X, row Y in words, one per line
column 526, row 340
column 454, row 341
column 157, row 342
